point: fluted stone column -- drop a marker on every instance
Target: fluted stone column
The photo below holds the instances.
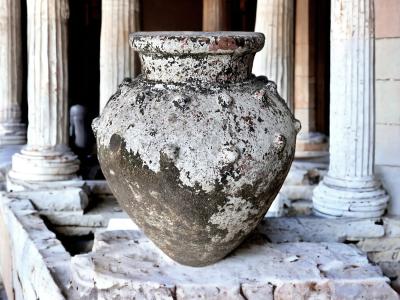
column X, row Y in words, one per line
column 310, row 143
column 275, row 18
column 47, row 156
column 117, row 60
column 350, row 187
column 12, row 132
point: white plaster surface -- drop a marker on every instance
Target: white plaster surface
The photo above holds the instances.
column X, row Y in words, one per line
column 390, row 177
column 125, row 264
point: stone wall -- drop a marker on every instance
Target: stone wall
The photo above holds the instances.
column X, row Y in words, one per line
column 387, row 76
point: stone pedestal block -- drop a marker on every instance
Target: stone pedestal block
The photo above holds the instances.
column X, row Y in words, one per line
column 125, row 264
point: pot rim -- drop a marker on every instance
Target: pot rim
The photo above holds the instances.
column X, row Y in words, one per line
column 196, row 42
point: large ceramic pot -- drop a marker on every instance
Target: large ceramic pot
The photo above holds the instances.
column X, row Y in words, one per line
column 196, row 148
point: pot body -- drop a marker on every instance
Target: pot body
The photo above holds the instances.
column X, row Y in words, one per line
column 196, row 161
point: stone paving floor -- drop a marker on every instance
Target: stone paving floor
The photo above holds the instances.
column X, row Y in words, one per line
column 377, row 237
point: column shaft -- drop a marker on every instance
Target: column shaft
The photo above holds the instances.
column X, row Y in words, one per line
column 350, row 188
column 47, row 156
column 275, row 18
column 12, row 132
column 117, row 59
column 215, row 15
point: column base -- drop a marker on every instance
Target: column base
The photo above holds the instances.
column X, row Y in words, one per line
column 12, row 134
column 364, row 198
column 40, row 166
column 311, row 145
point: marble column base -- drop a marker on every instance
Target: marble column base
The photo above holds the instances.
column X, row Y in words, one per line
column 311, row 145
column 12, row 134
column 362, row 198
column 49, row 165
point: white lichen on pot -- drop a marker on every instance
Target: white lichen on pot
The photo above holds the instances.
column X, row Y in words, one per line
column 196, row 148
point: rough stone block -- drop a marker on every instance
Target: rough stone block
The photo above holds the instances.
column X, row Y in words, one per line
column 127, row 264
column 313, row 229
column 14, row 185
column 99, row 187
column 392, row 226
column 299, row 208
column 392, row 270
column 69, row 199
column 31, row 241
column 295, row 192
column 379, row 244
column 385, row 256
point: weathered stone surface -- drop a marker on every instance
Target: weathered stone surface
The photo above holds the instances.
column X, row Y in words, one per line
column 127, row 264
column 298, row 191
column 40, row 264
column 392, row 226
column 306, row 173
column 313, row 229
column 392, row 270
column 379, row 244
column 385, row 256
column 299, row 208
column 196, row 148
column 98, row 187
column 69, row 199
column 98, row 216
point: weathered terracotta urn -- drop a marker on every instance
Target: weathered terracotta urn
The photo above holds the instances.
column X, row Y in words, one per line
column 196, row 148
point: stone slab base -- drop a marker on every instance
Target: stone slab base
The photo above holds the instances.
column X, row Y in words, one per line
column 311, row 145
column 67, row 199
column 16, row 185
column 127, row 265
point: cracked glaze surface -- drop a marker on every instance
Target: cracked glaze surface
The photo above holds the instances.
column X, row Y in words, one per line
column 196, row 148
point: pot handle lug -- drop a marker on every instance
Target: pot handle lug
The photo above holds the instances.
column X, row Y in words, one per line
column 297, row 125
column 95, row 125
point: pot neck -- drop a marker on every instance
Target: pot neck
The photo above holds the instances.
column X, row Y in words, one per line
column 197, row 57
column 222, row 68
